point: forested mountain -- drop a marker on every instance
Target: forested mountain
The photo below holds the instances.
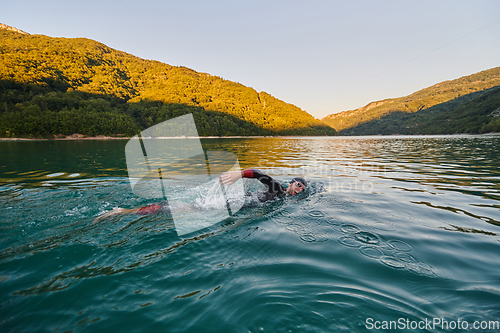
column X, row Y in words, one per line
column 51, row 86
column 464, row 105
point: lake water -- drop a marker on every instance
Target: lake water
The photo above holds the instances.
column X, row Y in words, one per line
column 392, row 230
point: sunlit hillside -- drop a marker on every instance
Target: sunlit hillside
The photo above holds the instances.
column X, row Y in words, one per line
column 51, row 86
column 439, row 109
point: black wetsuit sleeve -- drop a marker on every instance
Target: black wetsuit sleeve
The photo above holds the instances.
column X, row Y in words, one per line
column 273, row 186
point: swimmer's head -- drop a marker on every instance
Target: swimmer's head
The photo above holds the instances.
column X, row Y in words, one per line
column 297, row 185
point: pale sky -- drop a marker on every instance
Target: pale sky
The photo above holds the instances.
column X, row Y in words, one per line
column 322, row 56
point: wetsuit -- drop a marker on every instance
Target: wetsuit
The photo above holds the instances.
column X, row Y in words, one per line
column 154, row 208
column 274, row 190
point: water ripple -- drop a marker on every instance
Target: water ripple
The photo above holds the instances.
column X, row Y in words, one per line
column 390, row 227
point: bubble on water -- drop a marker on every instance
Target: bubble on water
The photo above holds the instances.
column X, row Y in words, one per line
column 349, row 228
column 408, row 258
column 308, row 238
column 284, row 220
column 349, row 241
column 399, row 245
column 392, row 262
column 372, row 252
column 294, row 227
column 285, row 213
column 366, row 237
column 332, row 221
column 316, row 213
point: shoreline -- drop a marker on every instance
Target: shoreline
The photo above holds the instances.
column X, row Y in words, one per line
column 104, row 137
column 79, row 137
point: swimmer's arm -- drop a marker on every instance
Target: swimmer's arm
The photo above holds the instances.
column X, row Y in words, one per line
column 230, row 177
column 264, row 178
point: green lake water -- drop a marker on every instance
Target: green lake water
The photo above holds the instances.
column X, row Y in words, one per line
column 392, row 230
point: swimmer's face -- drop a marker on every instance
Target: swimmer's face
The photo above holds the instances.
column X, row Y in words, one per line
column 295, row 188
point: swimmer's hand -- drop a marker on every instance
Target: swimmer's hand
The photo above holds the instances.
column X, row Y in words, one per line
column 230, row 177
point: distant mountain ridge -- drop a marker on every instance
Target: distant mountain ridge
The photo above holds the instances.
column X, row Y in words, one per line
column 419, row 112
column 51, row 86
column 7, row 27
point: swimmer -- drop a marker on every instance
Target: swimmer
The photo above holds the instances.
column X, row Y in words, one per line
column 274, row 189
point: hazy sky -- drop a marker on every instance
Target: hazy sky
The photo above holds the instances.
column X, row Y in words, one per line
column 323, row 56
